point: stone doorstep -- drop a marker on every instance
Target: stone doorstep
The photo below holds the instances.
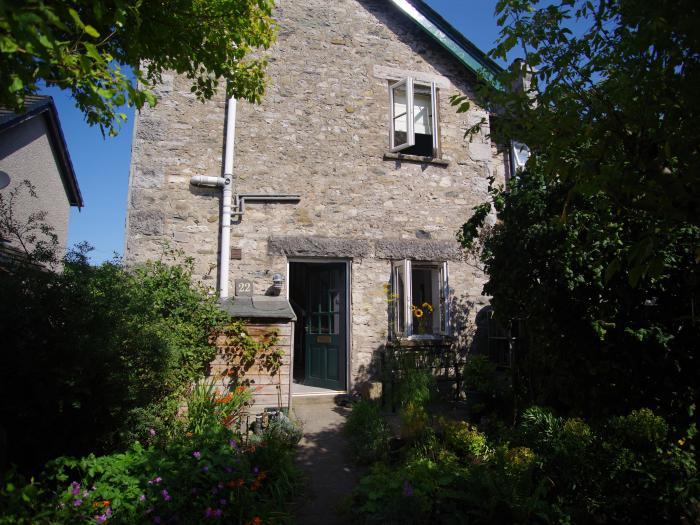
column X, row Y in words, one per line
column 315, row 400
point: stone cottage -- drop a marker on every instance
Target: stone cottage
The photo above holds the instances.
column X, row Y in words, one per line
column 345, row 186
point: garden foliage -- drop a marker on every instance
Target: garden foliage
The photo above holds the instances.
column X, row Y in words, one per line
column 200, row 478
column 95, row 356
column 627, row 469
column 367, row 433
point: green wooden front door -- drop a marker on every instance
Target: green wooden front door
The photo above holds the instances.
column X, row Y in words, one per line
column 325, row 326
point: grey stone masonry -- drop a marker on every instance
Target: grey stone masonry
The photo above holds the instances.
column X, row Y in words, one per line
column 321, row 132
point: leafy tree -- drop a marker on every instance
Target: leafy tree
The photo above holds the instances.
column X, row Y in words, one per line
column 596, row 344
column 110, row 53
column 612, row 106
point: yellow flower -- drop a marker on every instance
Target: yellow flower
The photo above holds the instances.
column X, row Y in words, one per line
column 428, row 306
column 681, row 441
column 418, row 312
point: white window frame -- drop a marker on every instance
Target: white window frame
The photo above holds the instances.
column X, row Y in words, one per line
column 402, row 302
column 409, row 84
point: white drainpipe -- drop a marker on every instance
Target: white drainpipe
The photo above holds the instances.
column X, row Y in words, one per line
column 226, row 183
column 227, row 196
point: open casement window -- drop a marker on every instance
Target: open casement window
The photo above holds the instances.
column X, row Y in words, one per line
column 419, row 299
column 414, row 118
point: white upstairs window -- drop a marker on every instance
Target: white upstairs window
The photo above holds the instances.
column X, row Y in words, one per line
column 414, row 118
column 419, row 299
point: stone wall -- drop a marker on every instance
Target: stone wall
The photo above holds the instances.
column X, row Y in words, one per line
column 321, row 132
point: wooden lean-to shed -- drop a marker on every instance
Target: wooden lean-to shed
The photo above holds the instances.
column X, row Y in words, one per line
column 269, row 321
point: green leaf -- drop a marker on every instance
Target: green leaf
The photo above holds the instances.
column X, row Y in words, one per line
column 91, row 50
column 7, row 45
column 91, row 31
column 16, row 84
column 76, row 18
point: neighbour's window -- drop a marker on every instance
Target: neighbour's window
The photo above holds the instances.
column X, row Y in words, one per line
column 414, row 118
column 419, row 299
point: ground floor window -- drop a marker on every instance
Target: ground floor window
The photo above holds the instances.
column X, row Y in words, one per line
column 419, row 306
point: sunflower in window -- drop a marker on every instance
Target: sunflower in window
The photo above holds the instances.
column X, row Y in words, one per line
column 423, row 314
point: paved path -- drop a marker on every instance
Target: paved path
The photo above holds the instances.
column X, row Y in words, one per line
column 322, row 454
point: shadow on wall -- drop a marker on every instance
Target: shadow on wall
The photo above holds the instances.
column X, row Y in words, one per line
column 469, row 321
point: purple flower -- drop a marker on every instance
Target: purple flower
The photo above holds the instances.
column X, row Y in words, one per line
column 85, row 494
column 407, row 489
column 155, row 480
column 256, row 470
column 207, row 512
column 166, row 496
column 100, row 518
column 217, row 512
column 156, row 519
column 152, row 431
column 205, row 468
column 108, row 513
column 77, row 502
column 197, row 454
column 222, row 502
column 228, row 470
column 142, row 498
column 75, row 488
column 233, row 443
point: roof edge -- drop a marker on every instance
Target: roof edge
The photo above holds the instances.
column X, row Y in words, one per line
column 75, row 197
column 465, row 51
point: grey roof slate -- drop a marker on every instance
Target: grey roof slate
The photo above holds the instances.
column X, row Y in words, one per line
column 259, row 307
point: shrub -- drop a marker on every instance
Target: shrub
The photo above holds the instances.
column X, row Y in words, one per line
column 284, row 430
column 367, row 433
column 641, row 428
column 465, row 440
column 105, row 349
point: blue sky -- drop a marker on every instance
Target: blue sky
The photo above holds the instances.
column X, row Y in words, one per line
column 102, row 164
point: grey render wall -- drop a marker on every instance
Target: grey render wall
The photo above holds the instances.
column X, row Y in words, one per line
column 321, row 132
column 26, row 154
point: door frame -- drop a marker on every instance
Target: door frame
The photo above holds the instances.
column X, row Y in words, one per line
column 348, row 304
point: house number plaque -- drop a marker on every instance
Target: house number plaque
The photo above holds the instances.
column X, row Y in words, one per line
column 244, row 287
column 323, row 339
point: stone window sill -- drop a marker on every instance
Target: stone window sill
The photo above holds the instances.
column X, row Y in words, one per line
column 415, row 158
column 423, row 341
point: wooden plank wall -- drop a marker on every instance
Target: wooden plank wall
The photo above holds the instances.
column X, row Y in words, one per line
column 268, row 391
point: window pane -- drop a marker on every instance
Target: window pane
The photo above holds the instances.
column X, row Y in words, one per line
column 423, row 286
column 422, row 113
column 397, row 299
column 400, row 115
column 402, row 135
column 335, row 312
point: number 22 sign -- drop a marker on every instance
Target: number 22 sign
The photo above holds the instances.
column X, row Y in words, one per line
column 244, row 287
